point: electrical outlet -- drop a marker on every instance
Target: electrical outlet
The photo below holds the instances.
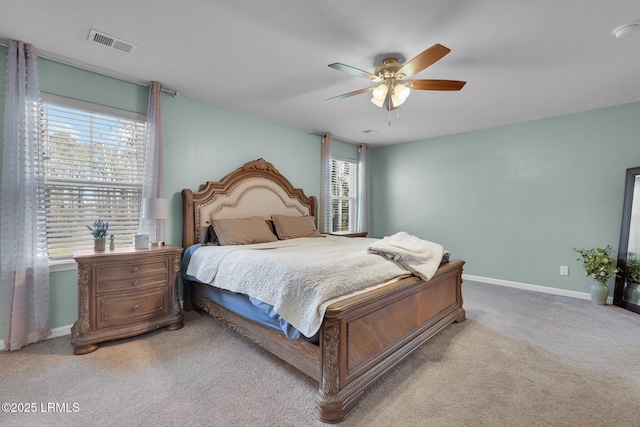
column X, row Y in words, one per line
column 564, row 270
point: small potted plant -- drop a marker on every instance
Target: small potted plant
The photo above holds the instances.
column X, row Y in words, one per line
column 600, row 265
column 632, row 278
column 99, row 233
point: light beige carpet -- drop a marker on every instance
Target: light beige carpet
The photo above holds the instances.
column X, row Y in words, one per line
column 521, row 358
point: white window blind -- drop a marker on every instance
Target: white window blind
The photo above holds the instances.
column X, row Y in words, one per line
column 94, row 166
column 343, row 195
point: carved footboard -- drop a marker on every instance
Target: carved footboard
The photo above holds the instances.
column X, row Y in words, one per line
column 361, row 337
column 364, row 336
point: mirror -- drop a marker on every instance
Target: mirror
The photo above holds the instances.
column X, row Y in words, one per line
column 627, row 293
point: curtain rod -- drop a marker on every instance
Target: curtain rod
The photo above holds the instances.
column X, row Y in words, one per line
column 87, row 67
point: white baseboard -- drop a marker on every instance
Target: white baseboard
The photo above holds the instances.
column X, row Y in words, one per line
column 529, row 287
column 60, row 332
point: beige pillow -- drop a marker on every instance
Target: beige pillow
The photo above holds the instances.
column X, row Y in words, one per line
column 291, row 227
column 242, row 231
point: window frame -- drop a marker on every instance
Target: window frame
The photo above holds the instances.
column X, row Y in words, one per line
column 65, row 102
column 352, row 199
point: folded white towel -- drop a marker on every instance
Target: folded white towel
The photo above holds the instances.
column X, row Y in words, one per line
column 421, row 257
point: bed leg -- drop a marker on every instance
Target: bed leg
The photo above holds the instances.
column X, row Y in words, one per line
column 333, row 404
column 332, row 409
column 461, row 316
column 187, row 304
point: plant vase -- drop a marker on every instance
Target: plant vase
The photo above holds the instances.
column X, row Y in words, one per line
column 632, row 293
column 599, row 292
column 99, row 244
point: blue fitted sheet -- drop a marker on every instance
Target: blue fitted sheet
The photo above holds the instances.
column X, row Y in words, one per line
column 244, row 305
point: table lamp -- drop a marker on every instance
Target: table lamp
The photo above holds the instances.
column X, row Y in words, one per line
column 155, row 209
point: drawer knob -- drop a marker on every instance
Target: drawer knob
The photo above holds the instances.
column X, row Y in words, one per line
column 134, row 270
column 136, row 307
column 134, row 283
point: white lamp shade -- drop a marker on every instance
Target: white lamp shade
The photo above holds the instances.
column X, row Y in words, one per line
column 155, row 208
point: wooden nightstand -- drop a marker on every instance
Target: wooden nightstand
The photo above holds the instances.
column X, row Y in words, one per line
column 350, row 233
column 124, row 293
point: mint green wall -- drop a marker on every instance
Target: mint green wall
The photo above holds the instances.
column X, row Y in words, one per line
column 205, row 142
column 63, row 298
column 201, row 142
column 513, row 201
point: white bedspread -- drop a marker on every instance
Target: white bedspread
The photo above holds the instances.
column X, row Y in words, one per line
column 421, row 257
column 298, row 277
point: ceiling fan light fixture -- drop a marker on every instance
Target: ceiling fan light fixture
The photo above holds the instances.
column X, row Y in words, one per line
column 380, row 92
column 401, row 91
column 377, row 101
column 396, row 101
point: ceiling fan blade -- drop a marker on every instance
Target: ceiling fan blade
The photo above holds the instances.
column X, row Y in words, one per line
column 355, row 71
column 347, row 95
column 423, row 60
column 433, row 84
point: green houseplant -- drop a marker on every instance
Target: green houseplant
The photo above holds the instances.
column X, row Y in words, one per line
column 600, row 265
column 99, row 233
column 632, row 278
column 632, row 269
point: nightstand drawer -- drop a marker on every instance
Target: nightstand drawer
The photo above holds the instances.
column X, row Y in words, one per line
column 131, row 276
column 118, row 310
column 131, row 269
column 132, row 283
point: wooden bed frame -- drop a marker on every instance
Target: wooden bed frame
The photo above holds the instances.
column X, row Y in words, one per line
column 361, row 336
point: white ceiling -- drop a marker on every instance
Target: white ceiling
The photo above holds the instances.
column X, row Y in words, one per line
column 522, row 60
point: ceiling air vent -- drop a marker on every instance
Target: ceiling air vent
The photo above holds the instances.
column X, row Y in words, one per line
column 110, row 41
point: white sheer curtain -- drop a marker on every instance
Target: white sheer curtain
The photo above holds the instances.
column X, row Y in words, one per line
column 153, row 186
column 23, row 249
column 363, row 189
column 324, row 222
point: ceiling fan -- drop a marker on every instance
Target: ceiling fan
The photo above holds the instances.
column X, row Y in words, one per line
column 394, row 88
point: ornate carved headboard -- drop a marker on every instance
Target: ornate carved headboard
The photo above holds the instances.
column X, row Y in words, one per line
column 254, row 189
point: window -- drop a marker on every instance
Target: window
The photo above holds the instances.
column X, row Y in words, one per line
column 343, row 194
column 94, row 168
